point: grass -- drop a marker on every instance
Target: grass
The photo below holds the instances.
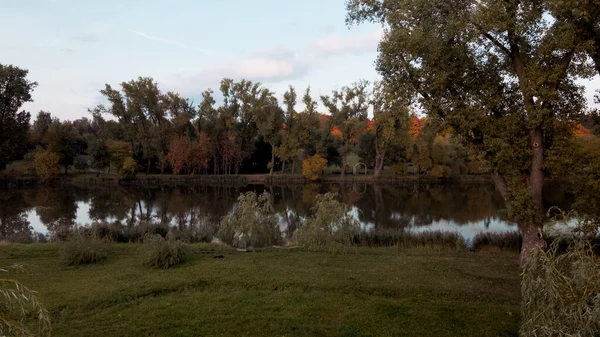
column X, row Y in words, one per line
column 287, row 292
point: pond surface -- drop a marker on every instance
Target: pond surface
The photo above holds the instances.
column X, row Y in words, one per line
column 40, row 213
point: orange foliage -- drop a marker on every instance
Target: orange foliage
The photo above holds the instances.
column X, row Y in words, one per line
column 179, row 154
column 416, row 126
column 580, row 131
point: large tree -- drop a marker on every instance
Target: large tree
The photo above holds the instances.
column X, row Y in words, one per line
column 501, row 73
column 15, row 90
column 348, row 108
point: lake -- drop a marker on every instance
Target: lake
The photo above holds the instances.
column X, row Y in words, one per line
column 38, row 214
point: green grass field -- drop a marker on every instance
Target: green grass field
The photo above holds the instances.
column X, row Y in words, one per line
column 370, row 292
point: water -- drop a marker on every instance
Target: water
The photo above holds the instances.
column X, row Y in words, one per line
column 467, row 209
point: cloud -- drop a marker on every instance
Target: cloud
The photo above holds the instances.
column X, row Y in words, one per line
column 335, row 44
column 170, row 42
column 273, row 65
column 327, row 29
column 86, row 38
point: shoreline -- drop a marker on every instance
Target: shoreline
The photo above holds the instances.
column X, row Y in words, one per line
column 241, row 179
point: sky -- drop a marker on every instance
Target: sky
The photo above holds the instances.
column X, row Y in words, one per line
column 72, row 48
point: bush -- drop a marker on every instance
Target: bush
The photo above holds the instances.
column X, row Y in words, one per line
column 46, row 164
column 561, row 292
column 82, row 248
column 331, row 226
column 163, row 253
column 252, row 223
column 312, row 166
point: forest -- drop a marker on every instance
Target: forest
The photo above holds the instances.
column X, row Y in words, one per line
column 140, row 128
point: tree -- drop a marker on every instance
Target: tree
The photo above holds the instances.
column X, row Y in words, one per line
column 331, row 226
column 269, row 121
column 390, row 123
column 61, row 139
column 180, row 154
column 46, row 164
column 15, row 90
column 501, row 74
column 348, row 108
column 100, row 157
column 253, row 221
column 312, row 166
column 118, row 152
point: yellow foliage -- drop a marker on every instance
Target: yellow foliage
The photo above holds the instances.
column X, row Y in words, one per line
column 312, row 166
column 46, row 164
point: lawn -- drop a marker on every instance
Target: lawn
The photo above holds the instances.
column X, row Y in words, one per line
column 370, row 292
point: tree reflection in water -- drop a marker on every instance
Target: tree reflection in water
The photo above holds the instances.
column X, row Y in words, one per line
column 198, row 209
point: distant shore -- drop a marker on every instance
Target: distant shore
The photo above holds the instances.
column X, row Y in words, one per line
column 241, row 179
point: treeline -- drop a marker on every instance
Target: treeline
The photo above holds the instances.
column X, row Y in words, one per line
column 143, row 129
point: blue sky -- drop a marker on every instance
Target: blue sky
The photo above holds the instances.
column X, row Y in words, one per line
column 73, row 47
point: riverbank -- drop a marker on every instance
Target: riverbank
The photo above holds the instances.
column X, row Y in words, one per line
column 373, row 292
column 242, row 179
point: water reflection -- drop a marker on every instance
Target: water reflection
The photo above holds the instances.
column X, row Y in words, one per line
column 28, row 215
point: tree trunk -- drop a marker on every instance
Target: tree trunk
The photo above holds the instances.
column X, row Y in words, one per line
column 533, row 237
column 379, row 157
column 343, row 165
column 148, row 169
column 283, row 167
column 294, row 166
column 272, row 160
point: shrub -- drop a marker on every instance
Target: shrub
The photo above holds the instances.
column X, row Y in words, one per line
column 21, row 313
column 252, row 223
column 312, row 166
column 46, row 164
column 163, row 252
column 331, row 226
column 561, row 292
column 83, row 248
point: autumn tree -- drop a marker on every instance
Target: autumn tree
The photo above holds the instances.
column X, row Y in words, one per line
column 312, row 166
column 179, row 154
column 15, row 90
column 501, row 74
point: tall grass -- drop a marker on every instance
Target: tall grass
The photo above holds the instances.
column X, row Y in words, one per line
column 561, row 291
column 163, row 253
column 21, row 313
column 409, row 239
column 505, row 241
column 83, row 248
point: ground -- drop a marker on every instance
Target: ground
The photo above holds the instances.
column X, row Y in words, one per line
column 367, row 292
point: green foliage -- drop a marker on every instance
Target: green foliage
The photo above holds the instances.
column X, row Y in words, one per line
column 118, row 152
column 312, row 166
column 252, row 221
column 81, row 163
column 100, row 157
column 163, row 252
column 331, row 225
column 46, row 164
column 129, row 169
column 21, row 312
column 15, row 90
column 83, row 248
column 561, row 291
